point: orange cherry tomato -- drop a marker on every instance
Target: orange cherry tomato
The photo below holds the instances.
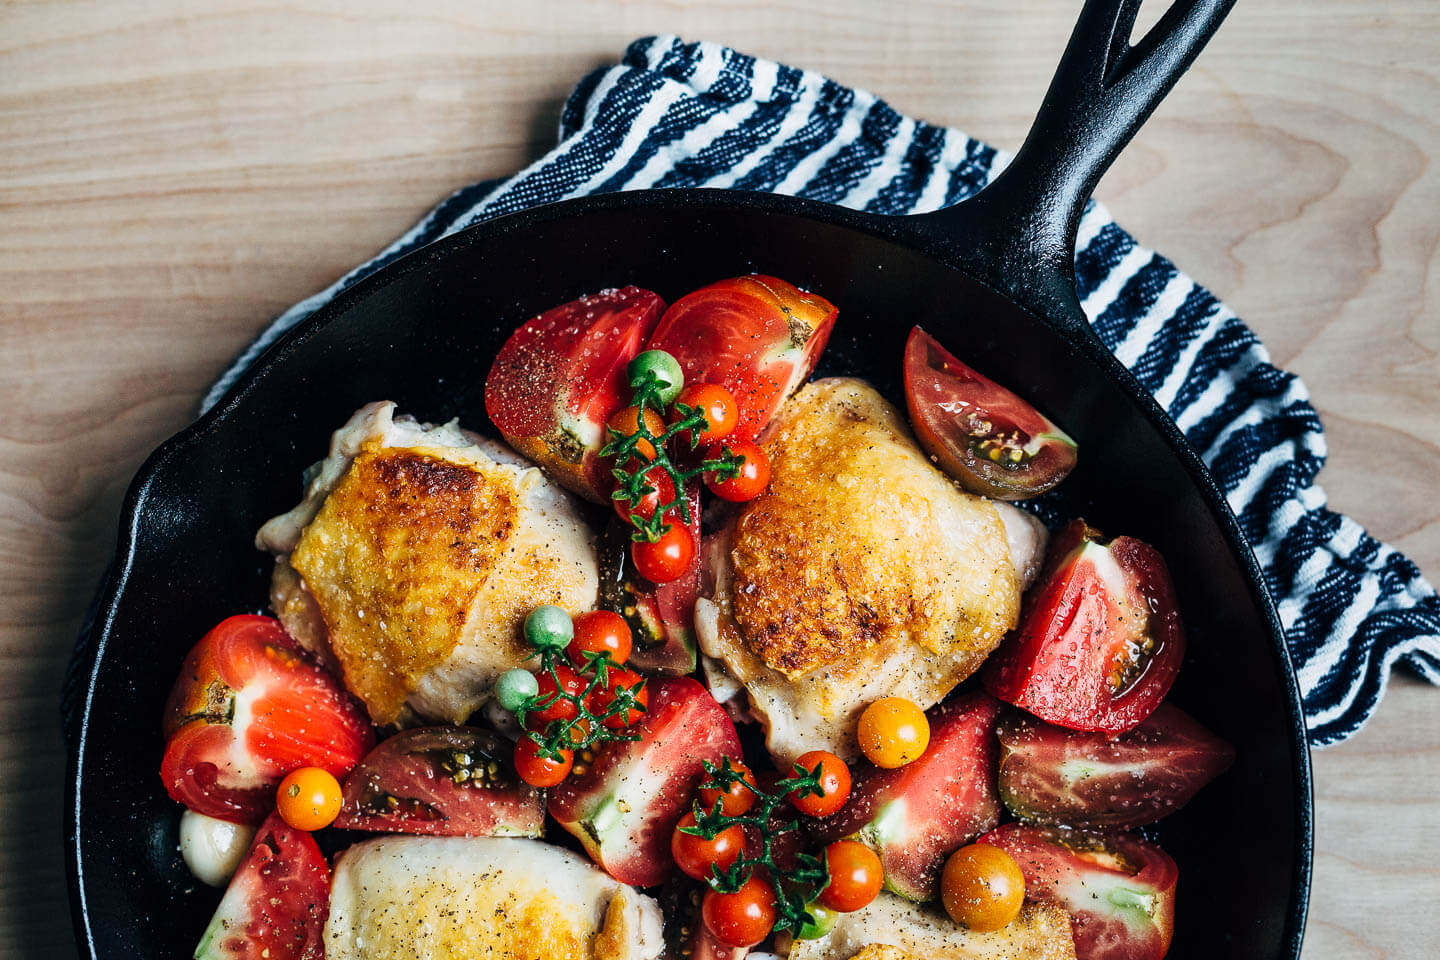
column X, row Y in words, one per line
column 616, row 679
column 893, row 732
column 718, row 405
column 667, row 558
column 562, row 709
column 662, row 491
column 982, row 887
column 308, row 798
column 541, row 771
column 749, row 481
column 738, row 800
column 834, row 781
column 696, row 856
column 626, row 421
column 855, row 876
column 600, row 631
column 742, row 918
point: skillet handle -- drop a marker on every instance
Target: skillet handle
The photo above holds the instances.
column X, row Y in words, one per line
column 1103, row 90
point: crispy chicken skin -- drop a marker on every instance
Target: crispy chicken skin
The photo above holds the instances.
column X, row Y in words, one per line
column 414, row 558
column 892, row 928
column 861, row 572
column 458, row 898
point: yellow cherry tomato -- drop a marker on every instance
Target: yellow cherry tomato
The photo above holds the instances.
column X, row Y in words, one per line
column 982, row 887
column 308, row 798
column 893, row 732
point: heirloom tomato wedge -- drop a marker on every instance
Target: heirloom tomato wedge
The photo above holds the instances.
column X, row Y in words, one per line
column 915, row 815
column 1100, row 638
column 758, row 337
column 1118, row 889
column 445, row 781
column 247, row 708
column 992, row 442
column 560, row 377
column 276, row 904
column 1052, row 775
column 624, row 806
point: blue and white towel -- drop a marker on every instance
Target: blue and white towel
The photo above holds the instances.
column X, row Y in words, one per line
column 673, row 114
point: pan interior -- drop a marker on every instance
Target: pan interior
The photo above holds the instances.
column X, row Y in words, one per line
column 423, row 334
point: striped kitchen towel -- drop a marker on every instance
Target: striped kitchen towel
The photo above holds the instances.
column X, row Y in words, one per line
column 673, row 114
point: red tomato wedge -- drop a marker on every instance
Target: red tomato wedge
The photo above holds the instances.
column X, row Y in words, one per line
column 444, row 781
column 1100, row 638
column 1118, row 889
column 248, row 708
column 758, row 337
column 916, row 815
column 1052, row 775
column 276, row 904
column 661, row 616
column 562, row 374
column 625, row 805
column 992, row 442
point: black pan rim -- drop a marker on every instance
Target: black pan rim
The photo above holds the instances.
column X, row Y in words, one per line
column 896, row 229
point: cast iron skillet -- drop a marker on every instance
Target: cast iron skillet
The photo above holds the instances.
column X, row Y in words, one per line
column 991, row 277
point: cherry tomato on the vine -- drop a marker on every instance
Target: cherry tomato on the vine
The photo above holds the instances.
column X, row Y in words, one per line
column 562, row 709
column 749, row 481
column 308, row 798
column 667, row 558
column 856, row 876
column 695, row 856
column 738, row 799
column 617, row 678
column 718, row 405
column 834, row 780
column 893, row 732
column 742, row 918
column 541, row 771
column 662, row 491
column 600, row 631
column 626, row 421
column 982, row 887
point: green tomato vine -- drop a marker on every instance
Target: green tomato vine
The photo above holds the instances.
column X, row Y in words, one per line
column 586, row 729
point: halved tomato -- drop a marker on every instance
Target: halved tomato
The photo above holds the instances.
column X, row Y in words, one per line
column 276, row 904
column 1100, row 639
column 758, row 337
column 247, row 708
column 446, row 781
column 661, row 616
column 1118, row 889
column 1052, row 775
column 562, row 374
column 916, row 815
column 992, row 442
column 625, row 805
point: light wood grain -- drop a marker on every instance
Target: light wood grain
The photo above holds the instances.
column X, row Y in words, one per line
column 172, row 173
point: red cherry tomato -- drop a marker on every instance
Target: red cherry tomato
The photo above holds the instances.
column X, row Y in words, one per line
column 742, row 918
column 626, row 422
column 600, row 631
column 721, row 411
column 667, row 558
column 662, row 491
column 562, row 709
column 855, row 876
column 696, row 856
column 749, row 481
column 738, row 800
column 834, row 780
column 541, row 771
column 616, row 679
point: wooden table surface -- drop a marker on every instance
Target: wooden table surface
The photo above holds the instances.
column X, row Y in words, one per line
column 174, row 173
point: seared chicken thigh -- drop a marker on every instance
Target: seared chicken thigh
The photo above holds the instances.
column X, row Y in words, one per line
column 414, row 558
column 892, row 928
column 861, row 572
column 458, row 898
